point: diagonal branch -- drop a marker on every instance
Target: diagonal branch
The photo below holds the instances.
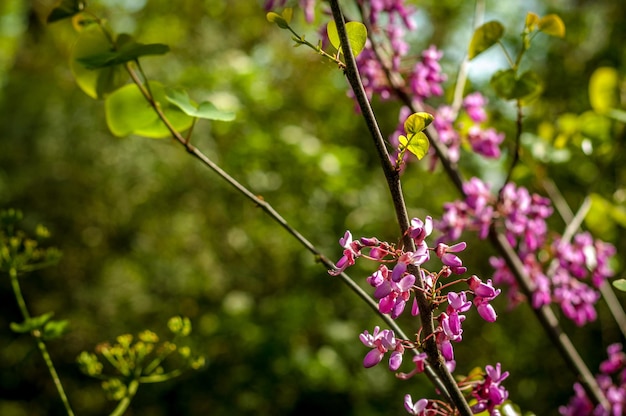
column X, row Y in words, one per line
column 545, row 315
column 274, row 215
column 393, row 181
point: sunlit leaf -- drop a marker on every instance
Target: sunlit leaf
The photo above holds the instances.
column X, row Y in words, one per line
column 416, row 143
column 96, row 83
column 552, row 25
column 206, row 109
column 128, row 112
column 620, row 284
column 532, row 20
column 357, row 36
column 604, row 89
column 417, row 122
column 282, row 20
column 65, row 9
column 484, row 37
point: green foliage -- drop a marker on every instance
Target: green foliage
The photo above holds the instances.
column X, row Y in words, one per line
column 147, row 234
column 134, row 360
column 65, row 9
column 357, row 36
column 128, row 112
column 96, row 83
column 510, row 86
column 205, row 109
column 415, row 140
column 282, row 20
column 126, row 50
column 485, row 37
column 552, row 25
column 620, row 284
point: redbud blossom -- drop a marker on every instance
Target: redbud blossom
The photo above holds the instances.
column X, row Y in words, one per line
column 418, row 408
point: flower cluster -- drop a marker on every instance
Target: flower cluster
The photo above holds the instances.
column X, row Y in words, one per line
column 486, row 391
column 572, row 274
column 612, row 381
column 395, row 282
column 397, row 19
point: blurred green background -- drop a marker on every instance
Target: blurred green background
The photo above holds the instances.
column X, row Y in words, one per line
column 148, row 233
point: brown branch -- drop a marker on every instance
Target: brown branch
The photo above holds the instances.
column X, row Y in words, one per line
column 393, row 181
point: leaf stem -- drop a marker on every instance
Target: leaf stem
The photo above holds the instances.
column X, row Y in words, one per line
column 41, row 345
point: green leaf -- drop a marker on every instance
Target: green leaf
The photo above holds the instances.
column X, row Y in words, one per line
column 96, row 83
column 282, row 20
column 31, row 324
column 417, row 122
column 206, row 109
column 55, row 329
column 551, row 24
column 508, row 86
column 620, row 284
column 532, row 20
column 416, row 143
column 604, row 89
column 129, row 51
column 357, row 36
column 65, row 9
column 484, row 37
column 128, row 112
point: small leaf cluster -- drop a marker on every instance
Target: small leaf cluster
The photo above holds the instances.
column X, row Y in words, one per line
column 415, row 140
column 139, row 359
column 101, row 63
column 508, row 83
column 41, row 326
column 356, row 31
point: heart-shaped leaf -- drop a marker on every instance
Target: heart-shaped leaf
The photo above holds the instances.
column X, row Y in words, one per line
column 206, row 109
column 96, row 83
column 357, row 36
column 129, row 50
column 417, row 144
column 417, row 122
column 620, row 284
column 552, row 25
column 484, row 37
column 128, row 112
column 508, row 86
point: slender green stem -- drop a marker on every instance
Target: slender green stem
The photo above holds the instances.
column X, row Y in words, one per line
column 461, row 79
column 41, row 345
column 125, row 402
